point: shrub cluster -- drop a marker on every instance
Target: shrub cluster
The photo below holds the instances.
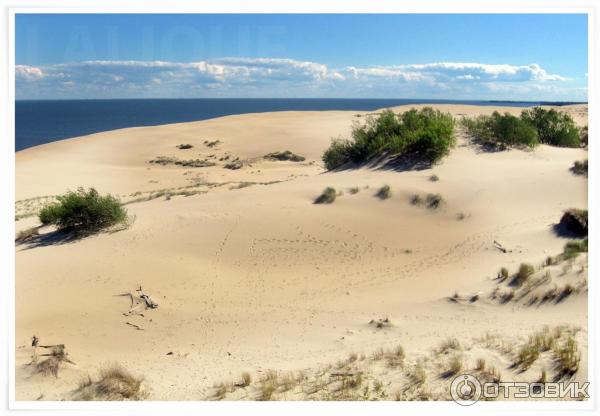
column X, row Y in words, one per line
column 553, row 127
column 501, row 130
column 83, row 210
column 534, row 126
column 426, row 134
column 575, row 221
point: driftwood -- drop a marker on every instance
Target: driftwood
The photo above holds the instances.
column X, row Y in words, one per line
column 139, row 328
column 501, row 247
column 145, row 300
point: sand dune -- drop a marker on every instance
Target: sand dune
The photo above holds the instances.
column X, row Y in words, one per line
column 250, row 275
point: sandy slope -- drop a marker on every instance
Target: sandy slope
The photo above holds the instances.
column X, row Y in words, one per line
column 258, row 277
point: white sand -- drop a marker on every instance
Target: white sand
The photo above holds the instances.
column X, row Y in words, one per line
column 260, row 277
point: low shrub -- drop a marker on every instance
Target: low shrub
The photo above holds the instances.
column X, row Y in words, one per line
column 327, row 197
column 433, row 201
column 184, row 146
column 286, row 155
column 416, row 199
column 583, row 136
column 501, row 131
column 580, row 167
column 384, row 192
column 83, row 210
column 553, row 127
column 575, row 221
column 425, row 135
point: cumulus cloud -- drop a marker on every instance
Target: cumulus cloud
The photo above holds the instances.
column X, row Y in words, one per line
column 273, row 77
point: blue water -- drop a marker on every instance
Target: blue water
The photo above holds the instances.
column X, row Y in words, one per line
column 39, row 122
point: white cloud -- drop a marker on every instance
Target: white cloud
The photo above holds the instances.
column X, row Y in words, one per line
column 271, row 77
column 28, row 73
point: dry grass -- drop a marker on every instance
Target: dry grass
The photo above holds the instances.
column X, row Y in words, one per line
column 190, row 163
column 567, row 357
column 285, row 155
column 526, row 270
column 57, row 357
column 448, row 345
column 385, row 376
column 114, row 383
column 455, row 366
column 26, row 235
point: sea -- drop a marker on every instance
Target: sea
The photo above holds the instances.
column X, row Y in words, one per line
column 44, row 121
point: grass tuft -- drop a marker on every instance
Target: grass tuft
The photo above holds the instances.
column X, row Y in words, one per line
column 327, row 197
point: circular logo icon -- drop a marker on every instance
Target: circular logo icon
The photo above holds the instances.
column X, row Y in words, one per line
column 465, row 390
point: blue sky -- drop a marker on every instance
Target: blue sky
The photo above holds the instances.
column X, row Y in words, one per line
column 517, row 57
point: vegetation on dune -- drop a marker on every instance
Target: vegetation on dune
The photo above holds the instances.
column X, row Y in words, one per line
column 191, row 163
column 384, row 192
column 286, row 155
column 580, row 167
column 426, row 135
column 574, row 248
column 327, row 197
column 501, row 131
column 575, row 221
column 525, row 271
column 83, row 210
column 583, row 136
column 553, row 127
column 534, row 126
column 114, row 383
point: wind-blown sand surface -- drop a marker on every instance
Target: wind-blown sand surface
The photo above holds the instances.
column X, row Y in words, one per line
column 250, row 275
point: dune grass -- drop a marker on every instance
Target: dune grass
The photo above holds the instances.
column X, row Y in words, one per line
column 114, row 383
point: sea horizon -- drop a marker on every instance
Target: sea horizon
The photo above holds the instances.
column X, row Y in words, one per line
column 43, row 121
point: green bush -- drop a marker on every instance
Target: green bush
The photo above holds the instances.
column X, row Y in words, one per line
column 327, row 197
column 384, row 192
column 426, row 134
column 580, row 167
column 501, row 130
column 583, row 136
column 553, row 127
column 83, row 210
column 575, row 221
